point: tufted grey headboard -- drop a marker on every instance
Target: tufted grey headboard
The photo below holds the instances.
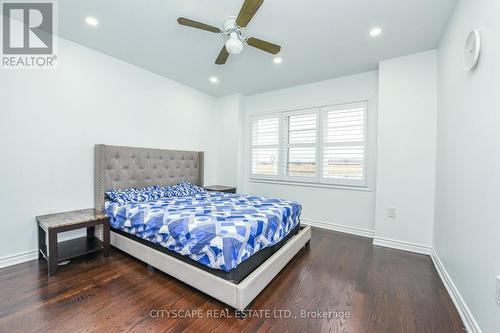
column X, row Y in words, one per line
column 118, row 168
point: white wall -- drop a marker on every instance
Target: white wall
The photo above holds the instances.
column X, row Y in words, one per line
column 51, row 119
column 406, row 150
column 467, row 219
column 348, row 210
column 226, row 132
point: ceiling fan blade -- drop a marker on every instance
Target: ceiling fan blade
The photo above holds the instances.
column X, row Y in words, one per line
column 263, row 45
column 197, row 25
column 248, row 10
column 222, row 58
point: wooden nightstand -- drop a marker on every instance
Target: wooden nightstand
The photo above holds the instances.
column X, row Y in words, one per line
column 53, row 224
column 220, row 188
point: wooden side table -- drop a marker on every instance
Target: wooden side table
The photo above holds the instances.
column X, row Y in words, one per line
column 53, row 224
column 220, row 188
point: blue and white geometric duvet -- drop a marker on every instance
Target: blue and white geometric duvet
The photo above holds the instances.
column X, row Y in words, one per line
column 219, row 230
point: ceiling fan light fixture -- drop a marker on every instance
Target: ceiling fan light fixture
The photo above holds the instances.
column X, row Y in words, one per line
column 234, row 27
column 234, row 45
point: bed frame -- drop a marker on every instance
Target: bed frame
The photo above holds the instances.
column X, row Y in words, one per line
column 126, row 167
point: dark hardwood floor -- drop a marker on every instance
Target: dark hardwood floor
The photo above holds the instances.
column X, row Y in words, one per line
column 382, row 290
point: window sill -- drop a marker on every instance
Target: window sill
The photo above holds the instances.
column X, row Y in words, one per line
column 310, row 184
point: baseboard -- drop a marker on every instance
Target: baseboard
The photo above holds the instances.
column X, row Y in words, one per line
column 401, row 245
column 463, row 310
column 18, row 258
column 338, row 227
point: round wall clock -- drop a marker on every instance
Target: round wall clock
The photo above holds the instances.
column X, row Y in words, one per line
column 472, row 50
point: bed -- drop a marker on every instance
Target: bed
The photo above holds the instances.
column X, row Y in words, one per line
column 229, row 246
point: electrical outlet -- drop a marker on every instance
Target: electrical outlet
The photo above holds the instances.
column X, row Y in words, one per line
column 392, row 213
column 498, row 290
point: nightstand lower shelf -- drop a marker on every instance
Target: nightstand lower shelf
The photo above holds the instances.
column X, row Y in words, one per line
column 78, row 247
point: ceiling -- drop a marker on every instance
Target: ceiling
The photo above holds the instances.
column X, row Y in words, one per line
column 321, row 39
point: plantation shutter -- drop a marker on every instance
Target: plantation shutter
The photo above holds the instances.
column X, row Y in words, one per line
column 301, row 144
column 343, row 144
column 265, row 143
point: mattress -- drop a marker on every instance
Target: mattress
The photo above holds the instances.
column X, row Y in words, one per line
column 217, row 230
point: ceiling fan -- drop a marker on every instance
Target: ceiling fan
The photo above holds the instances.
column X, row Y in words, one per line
column 234, row 27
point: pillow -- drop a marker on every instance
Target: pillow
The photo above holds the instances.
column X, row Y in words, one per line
column 181, row 189
column 189, row 188
column 151, row 193
column 135, row 195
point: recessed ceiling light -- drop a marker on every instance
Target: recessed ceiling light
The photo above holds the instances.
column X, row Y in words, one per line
column 375, row 32
column 277, row 60
column 91, row 21
column 214, row 79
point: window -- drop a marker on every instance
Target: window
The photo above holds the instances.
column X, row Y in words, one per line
column 343, row 144
column 265, row 146
column 300, row 144
column 324, row 145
